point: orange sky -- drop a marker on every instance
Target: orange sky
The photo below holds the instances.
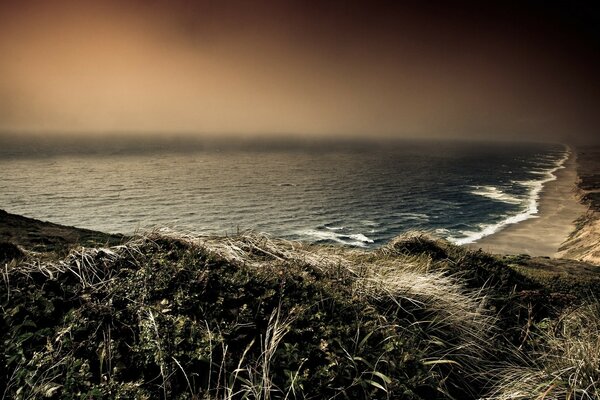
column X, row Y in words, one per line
column 365, row 69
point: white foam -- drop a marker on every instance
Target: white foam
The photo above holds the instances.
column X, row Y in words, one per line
column 530, row 210
column 320, row 235
column 360, row 237
column 357, row 239
column 492, row 192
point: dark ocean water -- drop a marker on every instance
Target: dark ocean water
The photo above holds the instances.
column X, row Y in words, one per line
column 357, row 195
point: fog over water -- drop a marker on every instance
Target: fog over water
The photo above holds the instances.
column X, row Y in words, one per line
column 468, row 69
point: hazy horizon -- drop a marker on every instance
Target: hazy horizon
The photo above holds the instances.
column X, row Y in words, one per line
column 56, row 144
column 500, row 71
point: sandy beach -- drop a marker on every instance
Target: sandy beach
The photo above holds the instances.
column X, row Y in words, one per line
column 543, row 234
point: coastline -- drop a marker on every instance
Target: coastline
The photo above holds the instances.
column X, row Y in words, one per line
column 542, row 235
column 584, row 243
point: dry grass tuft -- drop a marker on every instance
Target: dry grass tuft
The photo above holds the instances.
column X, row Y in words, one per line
column 566, row 366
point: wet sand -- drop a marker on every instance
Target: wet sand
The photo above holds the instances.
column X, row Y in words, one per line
column 543, row 234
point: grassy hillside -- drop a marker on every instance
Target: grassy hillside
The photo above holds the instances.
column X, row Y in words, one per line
column 46, row 236
column 169, row 316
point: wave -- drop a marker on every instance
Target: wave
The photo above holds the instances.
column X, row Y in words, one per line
column 355, row 239
column 361, row 238
column 492, row 192
column 530, row 209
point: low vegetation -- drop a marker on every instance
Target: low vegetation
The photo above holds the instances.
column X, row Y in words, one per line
column 563, row 362
column 174, row 316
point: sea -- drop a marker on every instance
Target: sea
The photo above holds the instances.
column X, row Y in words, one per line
column 355, row 194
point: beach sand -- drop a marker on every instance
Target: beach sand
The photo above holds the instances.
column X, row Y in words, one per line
column 543, row 234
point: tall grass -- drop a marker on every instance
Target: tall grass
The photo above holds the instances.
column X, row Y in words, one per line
column 392, row 324
column 454, row 321
column 564, row 366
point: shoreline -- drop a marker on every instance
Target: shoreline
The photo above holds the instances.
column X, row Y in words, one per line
column 545, row 232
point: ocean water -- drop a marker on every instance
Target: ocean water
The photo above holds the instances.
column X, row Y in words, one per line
column 353, row 195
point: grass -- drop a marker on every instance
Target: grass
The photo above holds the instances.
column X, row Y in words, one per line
column 565, row 363
column 168, row 315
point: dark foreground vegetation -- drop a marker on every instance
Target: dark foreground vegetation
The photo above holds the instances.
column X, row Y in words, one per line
column 169, row 316
column 49, row 237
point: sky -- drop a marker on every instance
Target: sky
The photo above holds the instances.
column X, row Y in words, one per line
column 507, row 69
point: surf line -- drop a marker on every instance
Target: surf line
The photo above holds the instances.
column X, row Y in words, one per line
column 530, row 211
